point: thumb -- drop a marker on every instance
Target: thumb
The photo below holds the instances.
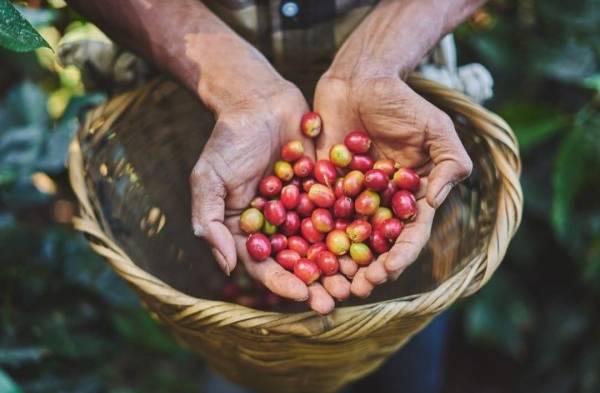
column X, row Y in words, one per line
column 331, row 103
column 451, row 161
column 208, row 212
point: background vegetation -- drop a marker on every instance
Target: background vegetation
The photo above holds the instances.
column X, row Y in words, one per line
column 68, row 324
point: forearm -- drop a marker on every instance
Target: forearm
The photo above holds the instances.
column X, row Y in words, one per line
column 396, row 35
column 186, row 39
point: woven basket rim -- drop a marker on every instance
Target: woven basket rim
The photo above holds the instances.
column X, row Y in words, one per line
column 461, row 283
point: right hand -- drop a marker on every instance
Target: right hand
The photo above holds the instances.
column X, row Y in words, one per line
column 242, row 149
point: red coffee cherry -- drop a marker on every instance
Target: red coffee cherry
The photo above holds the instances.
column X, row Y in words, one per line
column 361, row 162
column 358, row 231
column 270, row 186
column 358, row 142
column 328, row 263
column 278, row 242
column 298, row 244
column 322, row 220
column 310, row 124
column 309, row 232
column 321, row 195
column 258, row 246
column 305, row 206
column 388, row 193
column 404, row 205
column 407, row 179
column 292, row 151
column 307, row 271
column 379, row 243
column 303, row 167
column 391, row 228
column 376, row 180
column 291, row 225
column 274, row 212
column 290, row 196
column 287, row 258
column 367, row 203
column 353, row 183
column 324, row 172
column 385, row 165
column 343, row 207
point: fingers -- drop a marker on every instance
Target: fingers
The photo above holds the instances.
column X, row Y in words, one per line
column 319, row 300
column 331, row 103
column 409, row 244
column 376, row 273
column 361, row 287
column 451, row 161
column 272, row 275
column 347, row 266
column 208, row 211
column 337, row 286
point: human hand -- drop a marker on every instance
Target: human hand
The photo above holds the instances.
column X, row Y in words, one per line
column 244, row 144
column 405, row 127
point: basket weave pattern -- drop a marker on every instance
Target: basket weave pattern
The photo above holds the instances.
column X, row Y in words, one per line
column 304, row 352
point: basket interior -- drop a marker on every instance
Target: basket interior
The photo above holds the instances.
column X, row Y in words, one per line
column 137, row 173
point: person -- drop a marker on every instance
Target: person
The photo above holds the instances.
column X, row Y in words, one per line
column 233, row 54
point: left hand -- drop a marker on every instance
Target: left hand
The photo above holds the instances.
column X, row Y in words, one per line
column 406, row 128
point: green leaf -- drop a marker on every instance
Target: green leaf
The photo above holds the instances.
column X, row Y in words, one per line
column 7, row 385
column 16, row 33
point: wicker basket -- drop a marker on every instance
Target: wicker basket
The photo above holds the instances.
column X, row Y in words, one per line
column 129, row 167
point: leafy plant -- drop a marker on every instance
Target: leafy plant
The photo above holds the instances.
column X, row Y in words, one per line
column 16, row 33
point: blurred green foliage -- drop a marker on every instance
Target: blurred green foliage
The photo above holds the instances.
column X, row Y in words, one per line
column 68, row 324
column 540, row 312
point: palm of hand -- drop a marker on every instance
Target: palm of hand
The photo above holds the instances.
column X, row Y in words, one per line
column 242, row 149
column 406, row 128
column 396, row 118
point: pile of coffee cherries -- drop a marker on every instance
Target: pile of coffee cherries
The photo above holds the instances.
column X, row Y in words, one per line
column 310, row 213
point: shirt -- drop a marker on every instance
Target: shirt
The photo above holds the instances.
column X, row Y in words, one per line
column 293, row 31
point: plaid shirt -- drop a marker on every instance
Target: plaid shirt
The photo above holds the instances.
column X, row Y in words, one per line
column 289, row 32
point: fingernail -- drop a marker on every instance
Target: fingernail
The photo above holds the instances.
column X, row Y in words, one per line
column 221, row 261
column 442, row 194
column 198, row 230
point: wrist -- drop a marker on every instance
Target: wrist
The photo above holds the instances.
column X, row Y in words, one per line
column 396, row 35
column 227, row 72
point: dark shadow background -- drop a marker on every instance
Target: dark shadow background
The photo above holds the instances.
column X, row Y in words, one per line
column 67, row 324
